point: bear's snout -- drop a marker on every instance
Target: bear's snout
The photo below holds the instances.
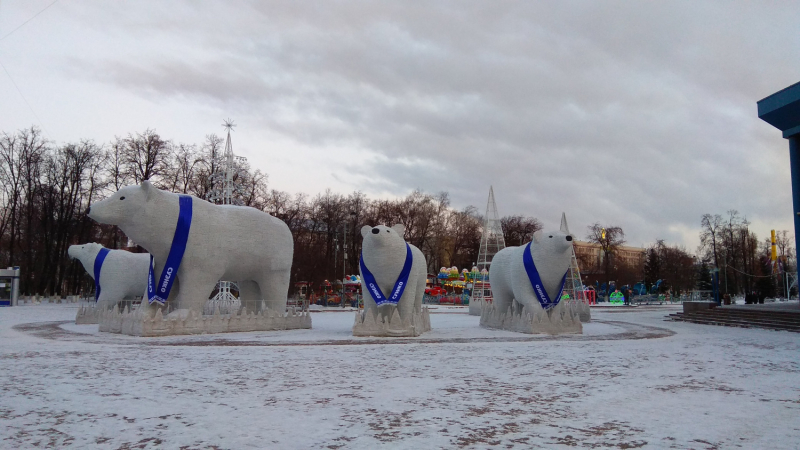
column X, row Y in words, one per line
column 569, row 238
column 376, row 231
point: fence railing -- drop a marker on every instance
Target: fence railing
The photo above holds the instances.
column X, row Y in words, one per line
column 452, row 299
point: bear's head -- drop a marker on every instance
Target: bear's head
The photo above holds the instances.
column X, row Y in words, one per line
column 554, row 242
column 125, row 205
column 552, row 248
column 382, row 238
column 82, row 250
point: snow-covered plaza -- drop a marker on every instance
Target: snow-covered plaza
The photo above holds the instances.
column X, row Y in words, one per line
column 632, row 380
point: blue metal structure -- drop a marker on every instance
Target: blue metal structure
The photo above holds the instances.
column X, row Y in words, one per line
column 782, row 110
column 655, row 286
column 9, row 286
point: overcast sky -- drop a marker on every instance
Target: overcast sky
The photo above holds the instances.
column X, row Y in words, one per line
column 637, row 114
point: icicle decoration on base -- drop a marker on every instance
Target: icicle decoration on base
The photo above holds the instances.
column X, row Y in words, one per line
column 88, row 314
column 560, row 319
column 368, row 323
column 137, row 323
column 583, row 309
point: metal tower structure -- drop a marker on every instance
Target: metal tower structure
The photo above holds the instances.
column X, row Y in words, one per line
column 492, row 241
column 573, row 286
column 227, row 173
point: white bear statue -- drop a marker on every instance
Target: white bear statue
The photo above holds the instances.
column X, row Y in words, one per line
column 526, row 288
column 224, row 242
column 122, row 275
column 393, row 275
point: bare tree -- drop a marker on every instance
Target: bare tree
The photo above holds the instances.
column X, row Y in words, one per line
column 465, row 229
column 116, row 174
column 517, row 230
column 254, row 190
column 609, row 239
column 11, row 172
column 145, row 156
column 179, row 175
column 711, row 227
column 207, row 164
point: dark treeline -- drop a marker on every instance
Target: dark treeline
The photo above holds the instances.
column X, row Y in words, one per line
column 744, row 263
column 47, row 188
column 677, row 270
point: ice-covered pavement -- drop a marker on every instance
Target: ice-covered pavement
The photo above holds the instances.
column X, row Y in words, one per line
column 632, row 380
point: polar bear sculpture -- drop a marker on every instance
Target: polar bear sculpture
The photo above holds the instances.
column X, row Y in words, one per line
column 123, row 275
column 225, row 242
column 384, row 256
column 517, row 306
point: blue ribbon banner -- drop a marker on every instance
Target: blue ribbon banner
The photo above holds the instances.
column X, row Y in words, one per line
column 160, row 292
column 399, row 285
column 98, row 264
column 536, row 280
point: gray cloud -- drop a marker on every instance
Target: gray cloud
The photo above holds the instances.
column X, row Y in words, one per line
column 636, row 114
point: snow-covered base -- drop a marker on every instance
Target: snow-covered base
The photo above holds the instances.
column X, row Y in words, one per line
column 560, row 319
column 475, row 306
column 370, row 323
column 88, row 314
column 134, row 323
column 583, row 310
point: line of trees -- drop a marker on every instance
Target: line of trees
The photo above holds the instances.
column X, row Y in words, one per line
column 744, row 262
column 727, row 246
column 45, row 189
column 672, row 268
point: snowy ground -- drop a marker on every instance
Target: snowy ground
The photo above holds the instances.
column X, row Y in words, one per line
column 632, row 380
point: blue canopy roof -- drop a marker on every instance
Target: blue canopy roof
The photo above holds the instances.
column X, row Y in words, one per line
column 782, row 110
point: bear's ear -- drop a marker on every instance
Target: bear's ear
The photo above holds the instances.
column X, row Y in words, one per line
column 364, row 230
column 564, row 227
column 537, row 236
column 400, row 229
column 149, row 189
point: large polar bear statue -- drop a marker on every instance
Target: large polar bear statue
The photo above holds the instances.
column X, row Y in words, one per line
column 516, row 304
column 384, row 254
column 225, row 242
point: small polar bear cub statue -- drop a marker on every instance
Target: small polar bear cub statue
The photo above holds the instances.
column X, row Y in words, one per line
column 123, row 274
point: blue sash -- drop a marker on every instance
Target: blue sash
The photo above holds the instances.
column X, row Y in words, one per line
column 536, row 280
column 399, row 285
column 98, row 264
column 160, row 292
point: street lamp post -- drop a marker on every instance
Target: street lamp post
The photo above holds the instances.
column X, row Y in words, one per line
column 344, row 261
column 725, row 273
column 715, row 284
column 353, row 216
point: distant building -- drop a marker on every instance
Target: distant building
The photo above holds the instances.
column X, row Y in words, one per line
column 590, row 256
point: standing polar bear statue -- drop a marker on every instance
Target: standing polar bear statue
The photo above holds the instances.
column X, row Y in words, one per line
column 117, row 274
column 393, row 275
column 527, row 283
column 200, row 243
